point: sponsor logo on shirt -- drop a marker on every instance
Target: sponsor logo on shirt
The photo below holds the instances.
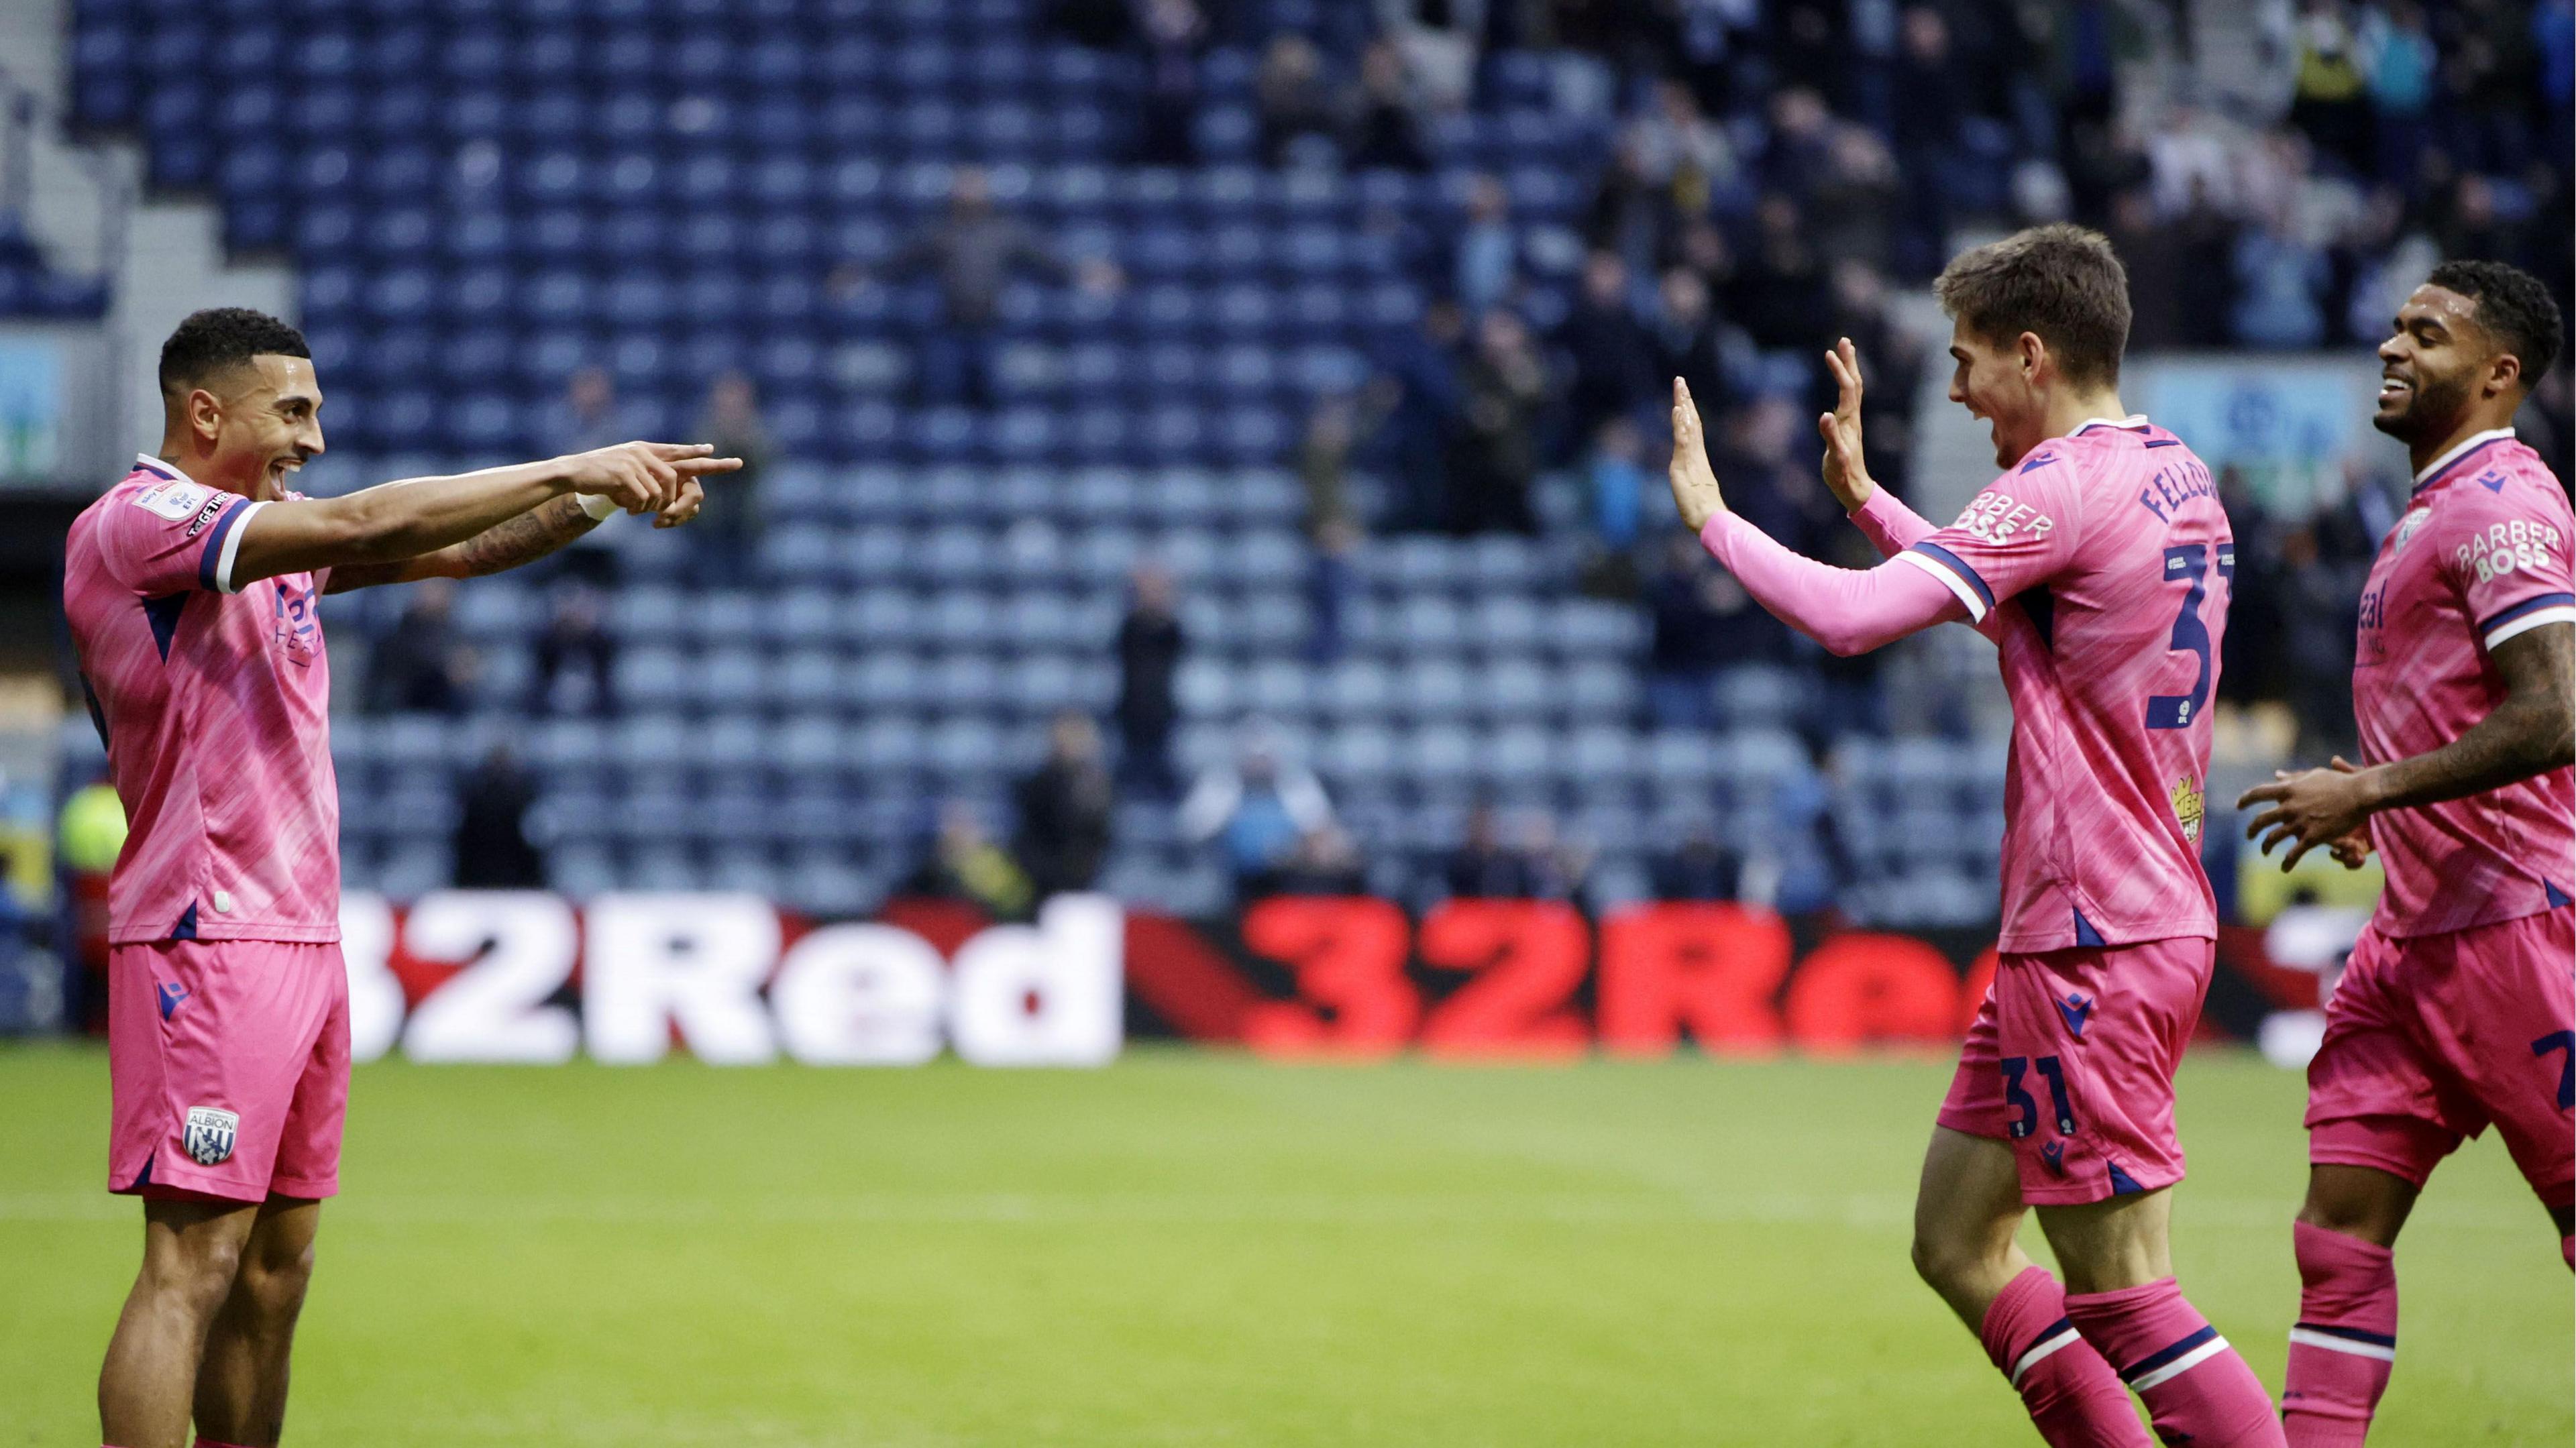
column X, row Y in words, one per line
column 2504, row 547
column 214, row 509
column 2189, row 807
column 1998, row 518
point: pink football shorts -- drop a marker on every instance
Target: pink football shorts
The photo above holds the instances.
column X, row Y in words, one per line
column 2071, row 1059
column 229, row 1067
column 2431, row 1037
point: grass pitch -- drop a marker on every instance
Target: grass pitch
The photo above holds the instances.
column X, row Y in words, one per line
column 1201, row 1249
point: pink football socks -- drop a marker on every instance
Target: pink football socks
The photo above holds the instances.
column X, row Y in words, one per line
column 2074, row 1398
column 2197, row 1390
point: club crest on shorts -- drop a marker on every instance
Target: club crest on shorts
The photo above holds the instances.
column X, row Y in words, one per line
column 209, row 1137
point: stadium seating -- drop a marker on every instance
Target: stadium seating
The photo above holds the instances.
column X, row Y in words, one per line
column 483, row 198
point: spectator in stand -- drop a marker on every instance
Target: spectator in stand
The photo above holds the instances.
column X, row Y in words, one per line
column 2207, row 301
column 1383, row 129
column 1149, row 655
column 1781, row 293
column 1256, row 809
column 1485, row 259
column 1928, row 95
column 2328, row 99
column 2401, row 65
column 1424, row 405
column 1861, row 311
column 1290, row 94
column 1615, row 483
column 1854, row 201
column 1702, row 624
column 1631, row 216
column 1173, row 32
column 1689, row 342
column 1482, row 868
column 491, row 841
column 1495, row 459
column 2254, row 660
column 726, row 541
column 1064, row 810
column 576, row 658
column 1332, row 584
column 418, row 667
column 589, row 417
column 1325, row 862
column 1682, row 152
column 1556, row 868
column 961, row 862
column 973, row 252
column 2151, row 253
column 1699, row 868
column 2279, row 280
column 1611, row 355
column 1438, row 40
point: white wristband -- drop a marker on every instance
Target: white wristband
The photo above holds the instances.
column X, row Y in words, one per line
column 597, row 505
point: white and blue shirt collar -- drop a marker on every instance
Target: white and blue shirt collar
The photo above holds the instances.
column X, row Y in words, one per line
column 159, row 467
column 2134, row 422
column 2468, row 445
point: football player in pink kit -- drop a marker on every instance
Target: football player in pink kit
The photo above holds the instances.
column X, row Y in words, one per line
column 191, row 591
column 2456, row 1009
column 2099, row 563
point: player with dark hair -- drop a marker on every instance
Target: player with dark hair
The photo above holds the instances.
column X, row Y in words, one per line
column 2100, row 564
column 2456, row 1009
column 191, row 588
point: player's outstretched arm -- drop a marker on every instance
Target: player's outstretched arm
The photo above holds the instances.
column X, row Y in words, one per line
column 1889, row 524
column 1848, row 612
column 404, row 523
column 2531, row 732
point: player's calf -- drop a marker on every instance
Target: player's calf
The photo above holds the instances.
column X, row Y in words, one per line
column 192, row 1255
column 241, row 1383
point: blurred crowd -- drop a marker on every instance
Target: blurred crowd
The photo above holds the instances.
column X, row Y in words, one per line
column 1776, row 170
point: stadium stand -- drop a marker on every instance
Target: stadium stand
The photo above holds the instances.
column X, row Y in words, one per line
column 485, row 201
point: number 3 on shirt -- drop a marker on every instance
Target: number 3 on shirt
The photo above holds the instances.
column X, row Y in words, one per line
column 2189, row 562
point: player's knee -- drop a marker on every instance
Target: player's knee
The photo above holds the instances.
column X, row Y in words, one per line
column 275, row 1281
column 195, row 1276
column 1943, row 1260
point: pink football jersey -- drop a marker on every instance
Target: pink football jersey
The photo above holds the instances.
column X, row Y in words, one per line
column 2101, row 566
column 214, row 700
column 2480, row 557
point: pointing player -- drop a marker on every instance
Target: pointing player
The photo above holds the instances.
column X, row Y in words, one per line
column 2099, row 563
column 191, row 589
column 2456, row 1009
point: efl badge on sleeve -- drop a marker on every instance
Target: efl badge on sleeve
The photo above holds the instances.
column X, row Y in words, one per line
column 210, row 1133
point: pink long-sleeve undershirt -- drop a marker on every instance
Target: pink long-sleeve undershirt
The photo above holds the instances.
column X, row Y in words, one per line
column 1889, row 524
column 1849, row 611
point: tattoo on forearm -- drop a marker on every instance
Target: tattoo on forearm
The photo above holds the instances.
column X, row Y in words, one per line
column 2526, row 734
column 524, row 539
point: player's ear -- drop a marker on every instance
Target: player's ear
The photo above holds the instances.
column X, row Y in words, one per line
column 2034, row 353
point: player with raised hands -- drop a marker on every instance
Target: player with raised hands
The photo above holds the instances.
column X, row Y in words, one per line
column 191, row 588
column 2099, row 562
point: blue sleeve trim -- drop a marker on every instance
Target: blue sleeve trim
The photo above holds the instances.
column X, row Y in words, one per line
column 1951, row 561
column 214, row 553
column 2529, row 605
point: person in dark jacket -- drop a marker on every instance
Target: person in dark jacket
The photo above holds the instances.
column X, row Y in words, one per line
column 1064, row 811
column 1150, row 643
column 492, row 848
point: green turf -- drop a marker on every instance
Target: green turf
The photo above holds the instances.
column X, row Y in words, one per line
column 1198, row 1249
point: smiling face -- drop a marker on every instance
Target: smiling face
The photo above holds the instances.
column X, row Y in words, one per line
column 2436, row 365
column 257, row 422
column 1993, row 381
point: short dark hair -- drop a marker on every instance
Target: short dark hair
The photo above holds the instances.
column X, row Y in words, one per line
column 2062, row 282
column 221, row 338
column 2514, row 306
